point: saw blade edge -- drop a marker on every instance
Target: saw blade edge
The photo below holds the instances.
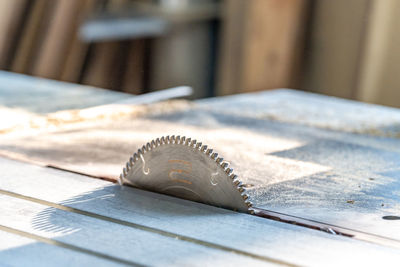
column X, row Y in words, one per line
column 178, row 140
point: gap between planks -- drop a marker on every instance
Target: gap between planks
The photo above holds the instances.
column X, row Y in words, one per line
column 124, row 223
column 327, row 228
column 243, row 232
column 67, row 246
column 266, row 214
column 294, row 220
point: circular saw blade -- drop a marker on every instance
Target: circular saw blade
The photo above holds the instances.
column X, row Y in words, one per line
column 187, row 169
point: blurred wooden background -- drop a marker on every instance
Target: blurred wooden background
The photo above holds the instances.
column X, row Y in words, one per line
column 340, row 48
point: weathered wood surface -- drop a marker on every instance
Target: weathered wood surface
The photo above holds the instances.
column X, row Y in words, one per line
column 128, row 224
column 314, row 110
column 120, row 244
column 16, row 250
column 281, row 143
column 349, row 180
column 250, row 61
column 28, row 103
column 319, row 158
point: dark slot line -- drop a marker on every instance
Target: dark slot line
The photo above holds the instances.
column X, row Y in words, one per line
column 295, row 221
column 67, row 246
column 302, row 222
column 147, row 229
column 327, row 228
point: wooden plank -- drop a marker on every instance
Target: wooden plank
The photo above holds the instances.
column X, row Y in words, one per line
column 20, row 112
column 118, row 243
column 334, row 59
column 190, row 221
column 133, row 78
column 11, row 14
column 38, row 36
column 255, row 53
column 272, row 53
column 30, row 37
column 74, row 63
column 231, row 47
column 379, row 70
column 102, row 68
column 314, row 110
column 104, row 64
column 53, row 52
column 17, row 250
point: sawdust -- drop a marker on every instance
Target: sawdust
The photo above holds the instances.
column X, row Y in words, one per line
column 13, row 119
column 312, row 110
column 117, row 111
column 26, row 123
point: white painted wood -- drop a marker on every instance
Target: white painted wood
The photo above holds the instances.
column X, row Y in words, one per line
column 243, row 232
column 122, row 242
column 16, row 250
column 273, row 140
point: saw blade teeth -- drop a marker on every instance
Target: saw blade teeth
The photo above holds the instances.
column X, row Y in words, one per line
column 193, row 143
column 197, row 146
column 153, row 144
column 120, row 179
column 224, row 165
column 188, row 141
column 236, row 182
column 248, row 204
